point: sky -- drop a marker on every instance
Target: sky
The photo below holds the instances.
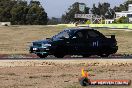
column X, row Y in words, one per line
column 55, row 8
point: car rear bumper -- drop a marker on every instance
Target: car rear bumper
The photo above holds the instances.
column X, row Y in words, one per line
column 114, row 49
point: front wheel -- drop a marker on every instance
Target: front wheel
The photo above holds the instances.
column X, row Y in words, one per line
column 42, row 56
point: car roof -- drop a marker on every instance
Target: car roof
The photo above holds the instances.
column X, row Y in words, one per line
column 79, row 28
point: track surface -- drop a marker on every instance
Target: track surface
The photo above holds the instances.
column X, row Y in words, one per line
column 24, row 71
column 32, row 56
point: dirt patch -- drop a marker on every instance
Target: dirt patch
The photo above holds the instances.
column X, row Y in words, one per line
column 60, row 73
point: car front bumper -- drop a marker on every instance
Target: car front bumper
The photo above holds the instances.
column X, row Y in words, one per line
column 38, row 50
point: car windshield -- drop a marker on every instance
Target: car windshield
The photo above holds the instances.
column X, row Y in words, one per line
column 63, row 34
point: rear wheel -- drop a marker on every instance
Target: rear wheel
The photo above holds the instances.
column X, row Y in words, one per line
column 42, row 56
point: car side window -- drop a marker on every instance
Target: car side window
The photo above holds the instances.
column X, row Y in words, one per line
column 79, row 35
column 92, row 34
column 66, row 35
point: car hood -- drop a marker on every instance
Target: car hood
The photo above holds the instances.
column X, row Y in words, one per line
column 43, row 41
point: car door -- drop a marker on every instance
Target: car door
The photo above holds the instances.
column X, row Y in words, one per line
column 93, row 43
column 78, row 42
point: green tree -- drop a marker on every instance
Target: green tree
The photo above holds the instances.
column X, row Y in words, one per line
column 36, row 14
column 5, row 7
column 123, row 7
column 20, row 12
column 95, row 10
column 122, row 20
column 72, row 10
column 104, row 10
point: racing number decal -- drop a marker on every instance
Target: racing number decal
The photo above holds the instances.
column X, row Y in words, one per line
column 95, row 44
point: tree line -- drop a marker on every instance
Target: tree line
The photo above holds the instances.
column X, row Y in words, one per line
column 20, row 12
column 102, row 9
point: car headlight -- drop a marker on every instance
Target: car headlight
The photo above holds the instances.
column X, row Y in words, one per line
column 45, row 45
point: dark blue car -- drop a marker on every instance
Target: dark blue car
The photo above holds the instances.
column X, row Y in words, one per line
column 75, row 41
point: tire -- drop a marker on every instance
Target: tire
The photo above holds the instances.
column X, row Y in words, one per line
column 59, row 55
column 42, row 56
column 104, row 55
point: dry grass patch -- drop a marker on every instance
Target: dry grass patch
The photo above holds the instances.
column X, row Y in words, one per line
column 16, row 39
